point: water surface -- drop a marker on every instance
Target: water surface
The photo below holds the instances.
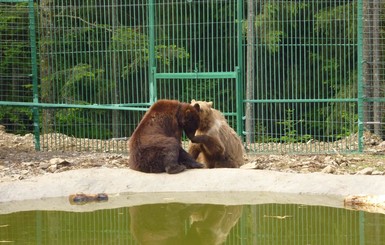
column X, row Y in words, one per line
column 180, row 223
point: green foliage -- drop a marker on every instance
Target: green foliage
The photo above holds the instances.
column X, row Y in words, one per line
column 290, row 129
column 137, row 46
column 333, row 24
column 18, row 120
column 277, row 21
column 81, row 123
column 262, row 134
column 168, row 54
column 212, row 90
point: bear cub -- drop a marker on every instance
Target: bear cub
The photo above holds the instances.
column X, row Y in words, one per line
column 222, row 148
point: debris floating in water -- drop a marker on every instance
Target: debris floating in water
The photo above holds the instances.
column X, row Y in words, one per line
column 81, row 198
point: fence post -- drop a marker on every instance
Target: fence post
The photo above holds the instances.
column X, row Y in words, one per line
column 35, row 110
column 239, row 70
column 151, row 52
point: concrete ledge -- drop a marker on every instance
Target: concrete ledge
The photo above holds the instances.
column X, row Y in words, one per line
column 218, row 186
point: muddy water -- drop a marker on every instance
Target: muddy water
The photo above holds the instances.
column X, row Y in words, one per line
column 182, row 223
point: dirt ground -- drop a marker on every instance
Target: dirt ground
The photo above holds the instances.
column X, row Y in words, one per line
column 19, row 160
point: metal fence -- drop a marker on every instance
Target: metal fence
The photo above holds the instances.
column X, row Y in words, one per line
column 290, row 76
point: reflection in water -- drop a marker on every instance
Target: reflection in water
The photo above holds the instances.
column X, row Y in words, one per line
column 178, row 223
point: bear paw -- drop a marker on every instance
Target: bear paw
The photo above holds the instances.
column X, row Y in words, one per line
column 174, row 169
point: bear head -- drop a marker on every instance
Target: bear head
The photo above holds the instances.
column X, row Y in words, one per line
column 188, row 118
column 205, row 112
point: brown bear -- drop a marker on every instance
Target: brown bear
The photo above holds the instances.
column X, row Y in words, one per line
column 223, row 148
column 156, row 146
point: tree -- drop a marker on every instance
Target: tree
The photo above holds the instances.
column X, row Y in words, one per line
column 372, row 64
column 250, row 76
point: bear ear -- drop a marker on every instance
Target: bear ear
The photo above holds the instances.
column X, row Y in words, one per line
column 210, row 104
column 193, row 101
column 197, row 107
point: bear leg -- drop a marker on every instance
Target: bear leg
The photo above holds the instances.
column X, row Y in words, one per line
column 187, row 160
column 211, row 145
column 194, row 150
column 171, row 159
column 174, row 168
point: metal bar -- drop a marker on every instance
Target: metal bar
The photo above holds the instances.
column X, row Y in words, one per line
column 373, row 99
column 195, row 75
column 151, row 52
column 301, row 100
column 94, row 106
column 239, row 103
column 239, row 69
column 32, row 36
column 14, row 1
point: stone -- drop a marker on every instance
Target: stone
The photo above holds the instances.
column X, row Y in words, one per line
column 52, row 168
column 329, row 169
column 365, row 171
column 376, row 172
column 44, row 165
column 27, row 164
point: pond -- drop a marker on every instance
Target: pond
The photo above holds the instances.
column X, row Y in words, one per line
column 186, row 223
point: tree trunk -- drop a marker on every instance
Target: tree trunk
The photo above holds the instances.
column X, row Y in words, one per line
column 115, row 74
column 46, row 32
column 376, row 68
column 250, row 74
column 367, row 57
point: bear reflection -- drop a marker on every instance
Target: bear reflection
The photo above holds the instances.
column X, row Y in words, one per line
column 178, row 223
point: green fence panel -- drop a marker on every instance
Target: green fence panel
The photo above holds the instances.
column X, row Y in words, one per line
column 302, row 93
column 290, row 76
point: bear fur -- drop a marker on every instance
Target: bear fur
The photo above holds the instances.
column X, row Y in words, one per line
column 223, row 148
column 156, row 146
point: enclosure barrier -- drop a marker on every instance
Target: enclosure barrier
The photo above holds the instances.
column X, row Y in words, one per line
column 290, row 76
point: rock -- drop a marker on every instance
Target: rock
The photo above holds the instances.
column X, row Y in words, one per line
column 115, row 162
column 330, row 161
column 254, row 165
column 357, row 159
column 373, row 142
column 305, row 169
column 24, row 171
column 52, row 168
column 365, row 171
column 66, row 168
column 59, row 161
column 44, row 165
column 28, row 164
column 376, row 172
column 367, row 203
column 329, row 169
column 16, row 176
